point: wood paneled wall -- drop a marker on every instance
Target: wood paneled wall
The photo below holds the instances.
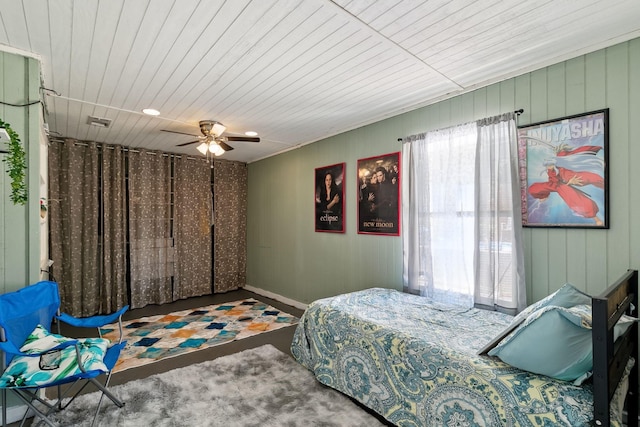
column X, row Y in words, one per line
column 286, row 257
column 20, row 225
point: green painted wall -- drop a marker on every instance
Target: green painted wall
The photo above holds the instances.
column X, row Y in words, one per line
column 286, row 256
column 20, row 225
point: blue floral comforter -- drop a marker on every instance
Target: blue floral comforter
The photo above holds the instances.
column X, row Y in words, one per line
column 415, row 363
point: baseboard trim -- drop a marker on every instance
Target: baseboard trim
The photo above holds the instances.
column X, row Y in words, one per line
column 15, row 413
column 276, row 297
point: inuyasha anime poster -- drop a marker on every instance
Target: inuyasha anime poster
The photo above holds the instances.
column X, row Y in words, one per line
column 563, row 171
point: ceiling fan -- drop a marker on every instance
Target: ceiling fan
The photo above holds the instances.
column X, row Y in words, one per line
column 212, row 140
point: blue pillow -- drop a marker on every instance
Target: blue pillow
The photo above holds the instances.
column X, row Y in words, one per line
column 567, row 296
column 553, row 341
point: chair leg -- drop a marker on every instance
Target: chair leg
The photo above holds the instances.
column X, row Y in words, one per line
column 43, row 417
column 70, row 391
column 28, row 397
column 4, row 407
column 107, row 393
column 95, row 416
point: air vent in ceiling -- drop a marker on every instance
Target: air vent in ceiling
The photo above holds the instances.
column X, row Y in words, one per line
column 100, row 122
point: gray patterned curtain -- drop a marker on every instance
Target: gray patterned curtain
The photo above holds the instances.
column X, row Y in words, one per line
column 90, row 275
column 89, row 218
column 113, row 295
column 230, row 219
column 193, row 201
column 150, row 240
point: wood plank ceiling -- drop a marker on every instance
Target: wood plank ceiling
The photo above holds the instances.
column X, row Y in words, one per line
column 295, row 71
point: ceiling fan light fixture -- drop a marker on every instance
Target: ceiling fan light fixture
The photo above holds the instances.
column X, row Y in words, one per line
column 203, row 148
column 211, row 128
column 251, row 133
column 215, row 149
column 218, row 128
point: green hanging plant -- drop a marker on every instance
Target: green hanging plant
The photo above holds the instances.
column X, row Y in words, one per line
column 17, row 161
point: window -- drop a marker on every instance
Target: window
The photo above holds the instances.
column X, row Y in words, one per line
column 458, row 208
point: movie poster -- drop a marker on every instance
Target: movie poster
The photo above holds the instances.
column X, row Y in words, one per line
column 563, row 172
column 379, row 195
column 329, row 198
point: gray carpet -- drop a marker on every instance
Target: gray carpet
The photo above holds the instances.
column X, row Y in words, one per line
column 256, row 387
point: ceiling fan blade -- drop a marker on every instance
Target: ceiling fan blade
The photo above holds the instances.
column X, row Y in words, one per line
column 243, row 138
column 180, row 133
column 225, row 146
column 189, row 143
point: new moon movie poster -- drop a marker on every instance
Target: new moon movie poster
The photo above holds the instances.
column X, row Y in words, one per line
column 379, row 195
column 329, row 198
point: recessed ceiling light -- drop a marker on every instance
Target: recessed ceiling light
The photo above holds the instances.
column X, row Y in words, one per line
column 151, row 112
column 251, row 133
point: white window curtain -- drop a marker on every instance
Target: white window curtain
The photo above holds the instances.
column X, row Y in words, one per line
column 462, row 236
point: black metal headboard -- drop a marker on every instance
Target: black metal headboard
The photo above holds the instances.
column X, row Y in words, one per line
column 610, row 358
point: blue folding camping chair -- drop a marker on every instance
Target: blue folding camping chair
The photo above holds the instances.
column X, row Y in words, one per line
column 34, row 359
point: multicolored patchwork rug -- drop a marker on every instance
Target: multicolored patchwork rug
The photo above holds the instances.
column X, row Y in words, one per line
column 153, row 338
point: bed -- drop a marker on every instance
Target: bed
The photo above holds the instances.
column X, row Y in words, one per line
column 418, row 363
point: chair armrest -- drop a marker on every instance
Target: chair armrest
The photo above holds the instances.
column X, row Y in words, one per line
column 93, row 321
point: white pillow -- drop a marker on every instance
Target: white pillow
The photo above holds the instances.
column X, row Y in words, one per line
column 622, row 325
column 30, row 371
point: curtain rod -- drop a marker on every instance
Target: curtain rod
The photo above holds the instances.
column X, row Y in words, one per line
column 516, row 112
column 111, row 147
